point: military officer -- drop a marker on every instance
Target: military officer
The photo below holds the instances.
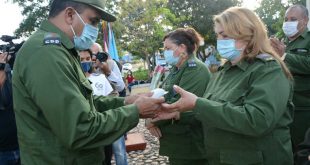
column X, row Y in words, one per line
column 58, row 120
column 247, row 107
column 182, row 140
column 296, row 54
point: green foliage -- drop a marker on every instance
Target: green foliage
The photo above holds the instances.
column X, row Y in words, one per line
column 143, row 25
column 199, row 14
column 141, row 74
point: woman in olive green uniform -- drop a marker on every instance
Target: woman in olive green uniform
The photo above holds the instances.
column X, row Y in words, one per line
column 247, row 107
column 182, row 139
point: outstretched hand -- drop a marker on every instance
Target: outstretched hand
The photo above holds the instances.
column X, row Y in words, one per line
column 164, row 115
column 132, row 98
column 185, row 103
column 278, row 46
column 148, row 106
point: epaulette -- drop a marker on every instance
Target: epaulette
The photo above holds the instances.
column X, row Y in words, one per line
column 191, row 63
column 265, row 57
column 52, row 39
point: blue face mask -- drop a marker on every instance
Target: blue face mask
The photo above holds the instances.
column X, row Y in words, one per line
column 86, row 66
column 87, row 38
column 227, row 49
column 170, row 59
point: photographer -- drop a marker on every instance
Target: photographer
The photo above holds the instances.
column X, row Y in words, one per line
column 9, row 152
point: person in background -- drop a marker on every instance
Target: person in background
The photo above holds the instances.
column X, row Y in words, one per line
column 181, row 138
column 247, row 107
column 118, row 147
column 9, row 150
column 130, row 80
column 58, row 119
column 295, row 52
column 111, row 70
column 213, row 60
column 99, row 83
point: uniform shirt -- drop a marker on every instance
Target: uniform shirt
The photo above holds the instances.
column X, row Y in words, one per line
column 246, row 112
column 116, row 77
column 57, row 120
column 183, row 139
column 298, row 60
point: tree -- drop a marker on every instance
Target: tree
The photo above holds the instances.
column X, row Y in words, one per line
column 144, row 24
column 199, row 14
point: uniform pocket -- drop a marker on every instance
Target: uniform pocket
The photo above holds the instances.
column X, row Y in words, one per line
column 241, row 157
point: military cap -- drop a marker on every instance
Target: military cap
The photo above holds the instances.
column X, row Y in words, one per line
column 99, row 5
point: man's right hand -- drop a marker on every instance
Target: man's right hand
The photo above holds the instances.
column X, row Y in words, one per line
column 278, row 46
column 148, row 106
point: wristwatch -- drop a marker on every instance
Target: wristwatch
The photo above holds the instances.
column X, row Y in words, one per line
column 2, row 66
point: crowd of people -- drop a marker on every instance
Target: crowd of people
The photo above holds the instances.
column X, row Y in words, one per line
column 71, row 107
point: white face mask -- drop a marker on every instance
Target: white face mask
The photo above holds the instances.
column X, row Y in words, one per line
column 290, row 28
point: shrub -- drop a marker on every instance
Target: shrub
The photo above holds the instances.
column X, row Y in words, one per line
column 141, row 74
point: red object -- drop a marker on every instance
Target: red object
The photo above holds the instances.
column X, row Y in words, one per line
column 159, row 69
column 130, row 79
column 135, row 141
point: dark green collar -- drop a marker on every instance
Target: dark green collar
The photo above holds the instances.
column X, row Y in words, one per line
column 242, row 64
column 49, row 27
column 303, row 36
column 305, row 33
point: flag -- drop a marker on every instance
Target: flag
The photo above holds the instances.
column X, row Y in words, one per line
column 112, row 45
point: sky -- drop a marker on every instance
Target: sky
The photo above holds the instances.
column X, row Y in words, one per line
column 10, row 15
column 10, row 18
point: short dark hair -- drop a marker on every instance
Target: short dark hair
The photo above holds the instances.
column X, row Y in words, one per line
column 187, row 36
column 87, row 50
column 302, row 8
column 58, row 6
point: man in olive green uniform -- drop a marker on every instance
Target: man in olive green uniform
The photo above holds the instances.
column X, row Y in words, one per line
column 297, row 58
column 57, row 117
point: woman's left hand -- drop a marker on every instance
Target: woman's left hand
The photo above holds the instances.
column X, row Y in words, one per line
column 163, row 115
column 186, row 103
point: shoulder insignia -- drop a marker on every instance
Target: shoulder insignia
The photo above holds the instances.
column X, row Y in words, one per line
column 265, row 57
column 191, row 63
column 52, row 39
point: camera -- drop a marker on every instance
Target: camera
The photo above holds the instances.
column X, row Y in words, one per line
column 102, row 56
column 11, row 48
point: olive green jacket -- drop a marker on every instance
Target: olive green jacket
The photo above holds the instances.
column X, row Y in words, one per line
column 298, row 60
column 246, row 112
column 183, row 139
column 57, row 121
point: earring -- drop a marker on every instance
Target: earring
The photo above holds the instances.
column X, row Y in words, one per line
column 183, row 55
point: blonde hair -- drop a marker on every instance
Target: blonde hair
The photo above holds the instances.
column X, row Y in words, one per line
column 243, row 24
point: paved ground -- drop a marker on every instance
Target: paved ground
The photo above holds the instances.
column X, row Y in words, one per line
column 149, row 156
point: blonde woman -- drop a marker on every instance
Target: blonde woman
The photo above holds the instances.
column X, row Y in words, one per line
column 247, row 108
